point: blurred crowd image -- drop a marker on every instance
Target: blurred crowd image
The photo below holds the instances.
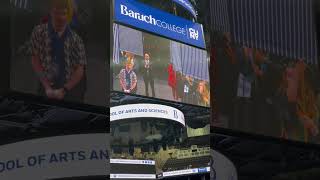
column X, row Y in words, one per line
column 258, row 92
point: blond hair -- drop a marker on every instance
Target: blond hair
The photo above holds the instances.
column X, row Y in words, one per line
column 205, row 93
column 64, row 4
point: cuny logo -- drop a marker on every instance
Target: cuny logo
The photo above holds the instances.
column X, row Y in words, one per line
column 193, row 34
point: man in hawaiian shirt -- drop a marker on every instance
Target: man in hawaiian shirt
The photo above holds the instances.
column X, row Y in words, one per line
column 58, row 55
column 128, row 79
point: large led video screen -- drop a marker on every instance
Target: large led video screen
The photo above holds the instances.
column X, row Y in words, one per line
column 266, row 80
column 153, row 66
column 59, row 50
column 267, row 94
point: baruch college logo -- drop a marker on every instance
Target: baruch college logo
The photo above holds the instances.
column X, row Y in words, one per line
column 151, row 20
column 159, row 22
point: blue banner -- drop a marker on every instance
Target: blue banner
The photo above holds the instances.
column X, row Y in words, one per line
column 187, row 5
column 138, row 15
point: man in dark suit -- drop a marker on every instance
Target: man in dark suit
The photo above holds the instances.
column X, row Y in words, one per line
column 148, row 74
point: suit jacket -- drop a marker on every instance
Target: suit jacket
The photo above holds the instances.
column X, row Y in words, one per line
column 147, row 73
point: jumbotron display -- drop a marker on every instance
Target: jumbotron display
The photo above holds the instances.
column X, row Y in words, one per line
column 266, row 79
column 58, row 50
column 145, row 63
column 152, row 66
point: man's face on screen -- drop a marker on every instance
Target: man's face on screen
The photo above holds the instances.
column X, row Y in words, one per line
column 129, row 66
column 59, row 18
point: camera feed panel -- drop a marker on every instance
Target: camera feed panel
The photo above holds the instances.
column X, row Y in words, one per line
column 152, row 66
column 59, row 50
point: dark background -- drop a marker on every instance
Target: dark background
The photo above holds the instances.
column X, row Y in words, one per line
column 4, row 46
